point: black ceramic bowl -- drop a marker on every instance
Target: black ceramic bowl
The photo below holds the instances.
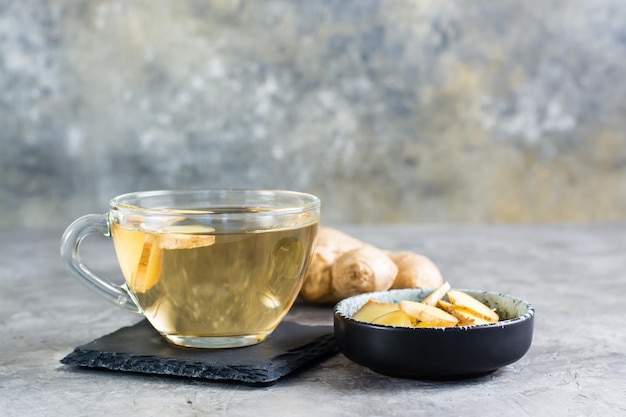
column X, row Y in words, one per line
column 435, row 353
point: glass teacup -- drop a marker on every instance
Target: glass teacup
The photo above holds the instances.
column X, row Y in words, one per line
column 207, row 268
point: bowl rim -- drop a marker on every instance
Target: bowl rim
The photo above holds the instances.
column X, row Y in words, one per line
column 529, row 314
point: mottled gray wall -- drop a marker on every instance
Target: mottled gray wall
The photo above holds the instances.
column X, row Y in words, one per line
column 390, row 111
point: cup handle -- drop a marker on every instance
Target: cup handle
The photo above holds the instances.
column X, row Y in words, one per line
column 70, row 243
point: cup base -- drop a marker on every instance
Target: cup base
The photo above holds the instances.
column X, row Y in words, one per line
column 216, row 342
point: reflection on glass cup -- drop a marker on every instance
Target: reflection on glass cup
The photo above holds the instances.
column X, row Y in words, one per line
column 207, row 268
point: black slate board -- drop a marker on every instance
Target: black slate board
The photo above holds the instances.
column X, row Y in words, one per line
column 139, row 348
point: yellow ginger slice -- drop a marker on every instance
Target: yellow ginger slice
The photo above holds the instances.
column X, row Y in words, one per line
column 186, row 237
column 394, row 318
column 461, row 299
column 373, row 309
column 435, row 317
column 466, row 317
column 148, row 270
column 432, row 298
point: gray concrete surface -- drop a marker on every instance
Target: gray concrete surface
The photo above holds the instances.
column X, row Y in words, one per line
column 573, row 274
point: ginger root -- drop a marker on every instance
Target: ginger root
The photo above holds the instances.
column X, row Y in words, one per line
column 331, row 243
column 415, row 271
column 342, row 266
column 360, row 270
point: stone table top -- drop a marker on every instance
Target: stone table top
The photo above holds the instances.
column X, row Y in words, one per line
column 574, row 275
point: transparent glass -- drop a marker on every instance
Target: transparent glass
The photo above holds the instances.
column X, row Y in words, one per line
column 207, row 268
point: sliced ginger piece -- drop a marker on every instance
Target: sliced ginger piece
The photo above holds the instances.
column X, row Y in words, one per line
column 148, row 270
column 394, row 318
column 432, row 298
column 466, row 301
column 129, row 245
column 466, row 317
column 434, row 316
column 373, row 309
column 186, row 237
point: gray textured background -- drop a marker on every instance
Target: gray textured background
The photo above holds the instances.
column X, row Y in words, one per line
column 390, row 111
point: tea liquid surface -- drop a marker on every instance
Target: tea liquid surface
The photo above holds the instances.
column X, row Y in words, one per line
column 194, row 283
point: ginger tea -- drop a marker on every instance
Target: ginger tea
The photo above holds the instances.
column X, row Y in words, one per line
column 191, row 282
